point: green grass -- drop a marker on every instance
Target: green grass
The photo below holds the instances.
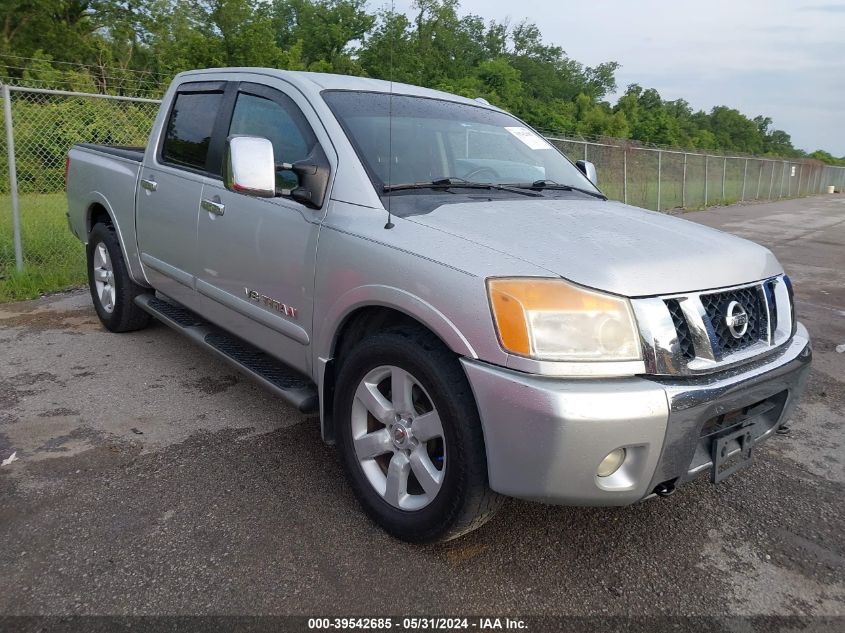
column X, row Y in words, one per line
column 53, row 258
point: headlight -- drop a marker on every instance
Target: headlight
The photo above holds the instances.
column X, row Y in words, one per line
column 551, row 319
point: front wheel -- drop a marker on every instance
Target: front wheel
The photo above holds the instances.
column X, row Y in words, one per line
column 112, row 289
column 410, row 437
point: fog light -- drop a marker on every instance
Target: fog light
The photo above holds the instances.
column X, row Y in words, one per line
column 611, row 463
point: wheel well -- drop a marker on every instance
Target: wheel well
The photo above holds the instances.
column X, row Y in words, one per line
column 356, row 326
column 97, row 213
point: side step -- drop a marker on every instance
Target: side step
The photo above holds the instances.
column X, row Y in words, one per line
column 284, row 381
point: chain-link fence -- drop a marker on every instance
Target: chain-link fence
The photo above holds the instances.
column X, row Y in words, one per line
column 38, row 253
column 666, row 179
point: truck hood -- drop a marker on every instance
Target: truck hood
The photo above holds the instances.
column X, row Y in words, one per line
column 607, row 245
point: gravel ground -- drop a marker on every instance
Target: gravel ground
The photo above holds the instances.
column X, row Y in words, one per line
column 151, row 479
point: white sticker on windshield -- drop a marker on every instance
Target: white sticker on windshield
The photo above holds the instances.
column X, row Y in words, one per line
column 529, row 138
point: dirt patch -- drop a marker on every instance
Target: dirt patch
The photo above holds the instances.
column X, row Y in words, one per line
column 55, row 413
column 11, row 390
column 38, row 440
column 826, row 390
column 213, row 385
column 9, row 398
column 77, row 320
column 28, row 379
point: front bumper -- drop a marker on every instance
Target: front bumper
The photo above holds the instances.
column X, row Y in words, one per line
column 545, row 437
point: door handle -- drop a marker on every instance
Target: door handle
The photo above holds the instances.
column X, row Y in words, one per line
column 149, row 185
column 217, row 208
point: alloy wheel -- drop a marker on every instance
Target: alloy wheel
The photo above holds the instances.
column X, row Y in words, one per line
column 103, row 272
column 398, row 438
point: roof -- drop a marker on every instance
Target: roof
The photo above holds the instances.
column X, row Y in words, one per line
column 329, row 81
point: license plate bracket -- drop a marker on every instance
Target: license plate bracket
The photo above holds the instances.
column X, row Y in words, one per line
column 725, row 461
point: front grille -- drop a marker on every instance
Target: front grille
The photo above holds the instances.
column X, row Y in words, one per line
column 688, row 334
column 716, row 309
column 682, row 328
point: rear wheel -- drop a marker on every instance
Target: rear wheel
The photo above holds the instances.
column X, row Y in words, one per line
column 112, row 289
column 410, row 437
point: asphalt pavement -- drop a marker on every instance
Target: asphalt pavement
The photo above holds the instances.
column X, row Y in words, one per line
column 152, row 479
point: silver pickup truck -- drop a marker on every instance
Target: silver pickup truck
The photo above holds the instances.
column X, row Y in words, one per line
column 467, row 313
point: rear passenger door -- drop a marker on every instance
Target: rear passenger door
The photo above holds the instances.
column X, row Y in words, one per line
column 170, row 189
column 257, row 254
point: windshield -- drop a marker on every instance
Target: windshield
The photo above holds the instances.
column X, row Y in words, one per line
column 434, row 141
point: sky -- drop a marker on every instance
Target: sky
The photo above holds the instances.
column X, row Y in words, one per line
column 781, row 58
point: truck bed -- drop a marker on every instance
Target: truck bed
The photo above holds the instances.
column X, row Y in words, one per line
column 129, row 152
column 105, row 177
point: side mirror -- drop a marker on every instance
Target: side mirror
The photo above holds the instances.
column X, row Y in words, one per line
column 313, row 174
column 248, row 166
column 589, row 170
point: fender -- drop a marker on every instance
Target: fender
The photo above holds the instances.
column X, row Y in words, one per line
column 130, row 250
column 388, row 297
column 397, row 299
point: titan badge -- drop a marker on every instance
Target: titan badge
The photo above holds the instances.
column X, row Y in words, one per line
column 273, row 304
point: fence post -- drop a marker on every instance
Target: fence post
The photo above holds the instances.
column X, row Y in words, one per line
column 13, row 176
column 744, row 176
column 659, row 169
column 705, row 179
column 788, row 180
column 585, row 150
column 782, row 173
column 724, row 175
column 759, row 180
column 625, row 174
column 800, row 173
column 684, row 184
column 772, row 181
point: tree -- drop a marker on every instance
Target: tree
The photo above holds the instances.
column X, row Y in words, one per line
column 65, row 26
column 119, row 45
column 325, row 30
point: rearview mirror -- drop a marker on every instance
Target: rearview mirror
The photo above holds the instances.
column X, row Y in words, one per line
column 589, row 170
column 248, row 166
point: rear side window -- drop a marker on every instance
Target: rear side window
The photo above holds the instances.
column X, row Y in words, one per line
column 189, row 128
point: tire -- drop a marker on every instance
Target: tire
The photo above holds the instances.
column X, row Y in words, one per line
column 116, row 305
column 446, row 502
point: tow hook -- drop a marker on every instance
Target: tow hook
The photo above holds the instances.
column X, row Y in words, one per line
column 666, row 489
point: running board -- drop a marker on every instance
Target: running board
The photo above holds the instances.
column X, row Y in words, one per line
column 284, row 381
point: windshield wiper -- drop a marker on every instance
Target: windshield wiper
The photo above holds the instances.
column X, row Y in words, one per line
column 539, row 185
column 454, row 182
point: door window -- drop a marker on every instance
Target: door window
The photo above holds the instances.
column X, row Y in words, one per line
column 280, row 121
column 189, row 128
